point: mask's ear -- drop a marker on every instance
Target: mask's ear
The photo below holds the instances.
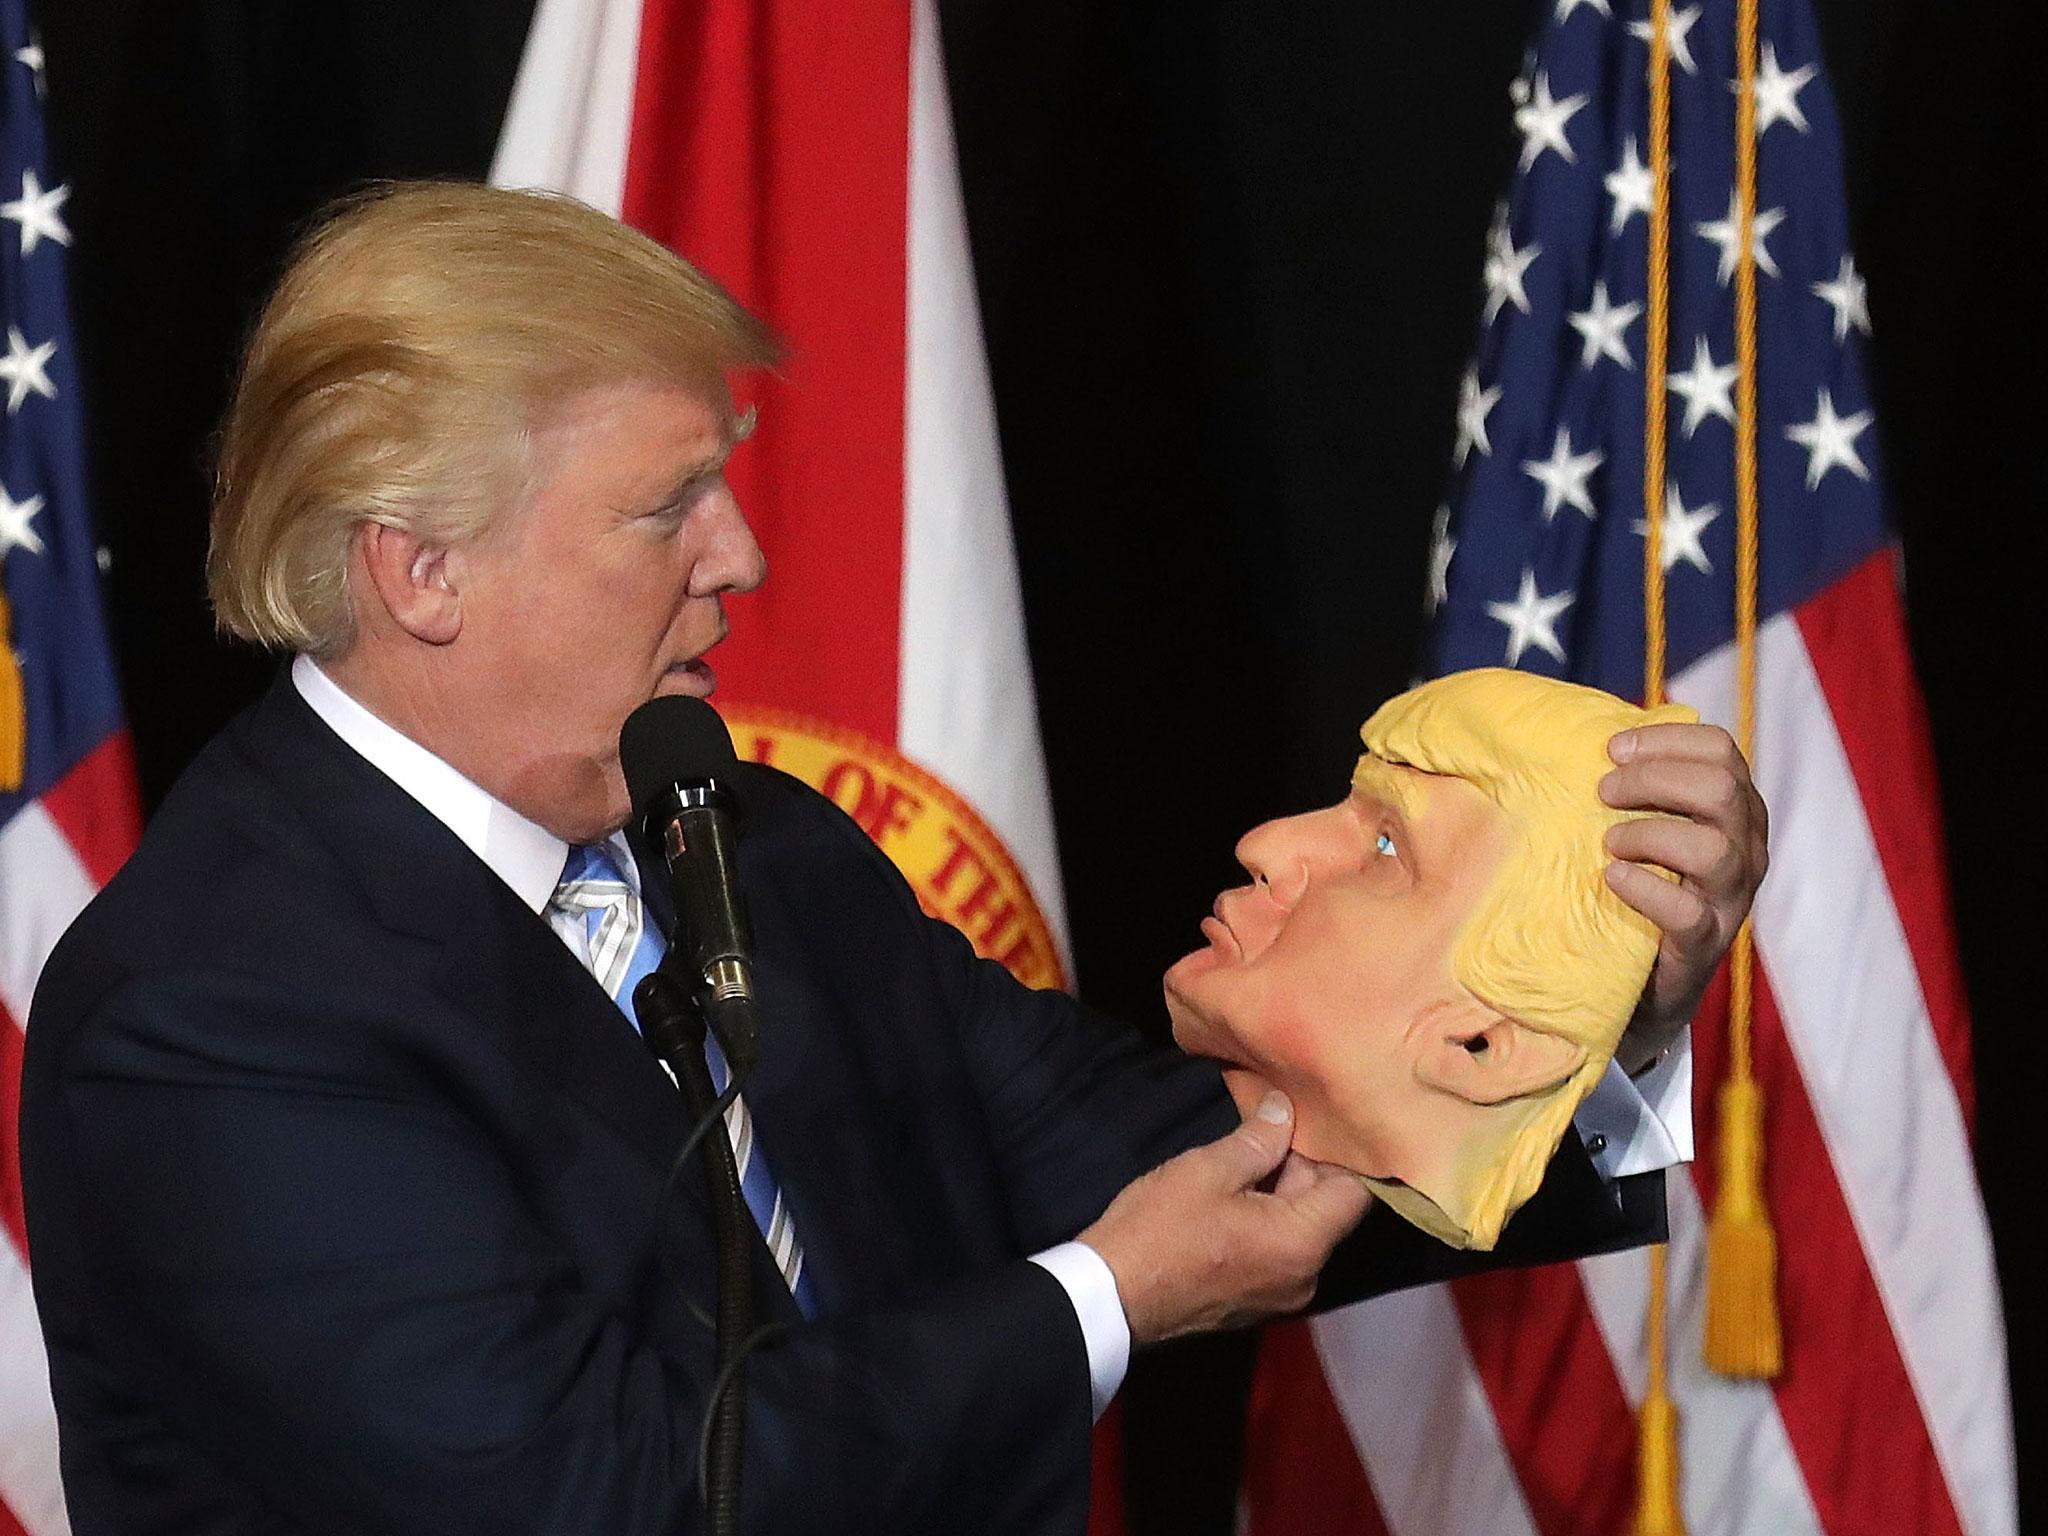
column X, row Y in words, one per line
column 1485, row 1058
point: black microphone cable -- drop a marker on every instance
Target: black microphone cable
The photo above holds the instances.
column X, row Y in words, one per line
column 722, row 1380
column 673, row 1025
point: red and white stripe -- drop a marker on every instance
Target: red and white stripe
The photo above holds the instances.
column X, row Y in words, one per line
column 55, row 853
column 1505, row 1404
column 804, row 156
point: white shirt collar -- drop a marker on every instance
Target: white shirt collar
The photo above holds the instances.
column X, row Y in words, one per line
column 525, row 855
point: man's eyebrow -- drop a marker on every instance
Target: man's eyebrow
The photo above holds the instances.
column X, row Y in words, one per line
column 716, row 460
column 693, row 475
column 699, row 469
column 709, row 463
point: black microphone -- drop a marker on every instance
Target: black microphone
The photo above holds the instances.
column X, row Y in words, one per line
column 680, row 767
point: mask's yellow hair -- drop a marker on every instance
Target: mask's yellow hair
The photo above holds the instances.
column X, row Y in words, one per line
column 1550, row 945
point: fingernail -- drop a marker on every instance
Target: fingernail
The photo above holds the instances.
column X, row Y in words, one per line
column 1616, row 874
column 1607, row 787
column 1622, row 747
column 1275, row 1108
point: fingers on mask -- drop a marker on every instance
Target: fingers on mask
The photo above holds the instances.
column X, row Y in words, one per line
column 1690, row 848
column 1679, row 910
column 1335, row 1203
column 1252, row 1151
column 1706, row 744
column 1699, row 790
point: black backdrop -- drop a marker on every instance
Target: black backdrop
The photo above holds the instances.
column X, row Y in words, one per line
column 1228, row 258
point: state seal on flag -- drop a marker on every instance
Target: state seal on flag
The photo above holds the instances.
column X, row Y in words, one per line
column 952, row 858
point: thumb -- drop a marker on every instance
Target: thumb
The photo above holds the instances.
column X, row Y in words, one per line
column 1258, row 1146
column 1334, row 1201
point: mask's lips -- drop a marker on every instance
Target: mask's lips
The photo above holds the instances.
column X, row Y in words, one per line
column 1217, row 929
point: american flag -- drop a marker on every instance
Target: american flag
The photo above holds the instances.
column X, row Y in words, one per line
column 1506, row 1405
column 71, row 820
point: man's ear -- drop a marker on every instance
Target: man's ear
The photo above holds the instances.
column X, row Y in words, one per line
column 415, row 582
column 1486, row 1058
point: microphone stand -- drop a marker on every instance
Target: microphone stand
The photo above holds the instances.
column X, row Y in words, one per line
column 672, row 1022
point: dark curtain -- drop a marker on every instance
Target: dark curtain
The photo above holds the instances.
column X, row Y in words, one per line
column 1228, row 256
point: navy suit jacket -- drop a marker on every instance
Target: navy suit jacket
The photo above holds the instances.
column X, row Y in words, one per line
column 351, row 1202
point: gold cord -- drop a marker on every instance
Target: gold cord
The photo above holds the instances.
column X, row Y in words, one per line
column 1742, row 1336
column 1657, row 1504
column 13, row 707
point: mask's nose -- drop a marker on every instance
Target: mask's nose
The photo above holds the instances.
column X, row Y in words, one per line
column 1284, row 854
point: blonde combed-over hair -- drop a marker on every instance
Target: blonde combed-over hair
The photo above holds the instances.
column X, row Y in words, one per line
column 422, row 333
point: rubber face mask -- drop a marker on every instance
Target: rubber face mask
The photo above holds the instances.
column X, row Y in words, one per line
column 1434, row 969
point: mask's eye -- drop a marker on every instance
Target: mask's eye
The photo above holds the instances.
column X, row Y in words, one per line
column 1386, row 847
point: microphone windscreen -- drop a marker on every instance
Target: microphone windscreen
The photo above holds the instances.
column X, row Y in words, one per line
column 673, row 740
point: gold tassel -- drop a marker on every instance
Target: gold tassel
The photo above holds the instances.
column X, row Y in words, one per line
column 1657, row 1511
column 13, row 708
column 1742, row 1333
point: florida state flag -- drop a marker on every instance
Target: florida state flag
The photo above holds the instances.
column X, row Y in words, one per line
column 803, row 156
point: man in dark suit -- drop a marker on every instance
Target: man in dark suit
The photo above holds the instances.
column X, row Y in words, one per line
column 351, row 1189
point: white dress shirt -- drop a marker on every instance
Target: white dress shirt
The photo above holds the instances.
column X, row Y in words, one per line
column 1629, row 1125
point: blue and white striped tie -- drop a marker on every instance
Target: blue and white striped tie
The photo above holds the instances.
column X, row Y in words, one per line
column 621, row 946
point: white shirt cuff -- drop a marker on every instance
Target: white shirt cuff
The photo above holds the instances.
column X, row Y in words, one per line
column 1641, row 1124
column 1085, row 1276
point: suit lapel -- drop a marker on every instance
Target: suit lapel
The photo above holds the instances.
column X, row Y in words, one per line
column 500, row 964
column 828, row 1162
column 503, row 967
column 836, row 1137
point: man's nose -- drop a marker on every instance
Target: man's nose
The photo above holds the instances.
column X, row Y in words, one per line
column 733, row 560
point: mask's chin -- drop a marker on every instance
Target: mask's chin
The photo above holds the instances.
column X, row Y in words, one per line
column 1417, row 1208
column 1191, row 1031
column 1181, row 973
